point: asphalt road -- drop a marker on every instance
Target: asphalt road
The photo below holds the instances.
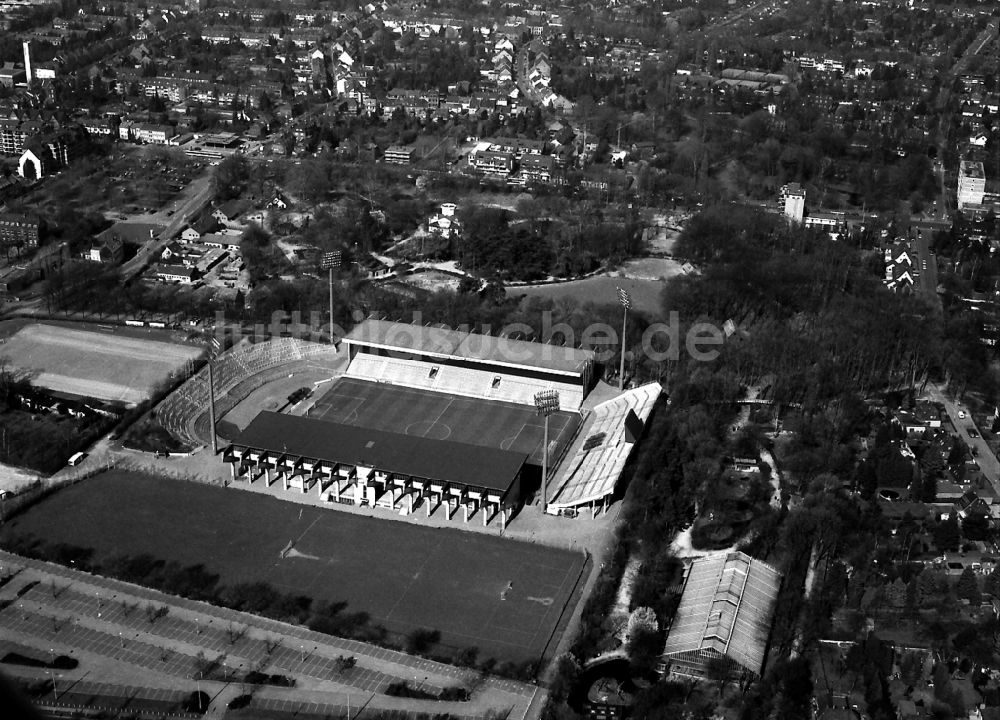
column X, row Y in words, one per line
column 197, row 195
column 987, row 460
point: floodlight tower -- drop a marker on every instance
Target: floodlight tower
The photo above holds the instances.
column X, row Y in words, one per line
column 330, row 261
column 626, row 300
column 212, row 356
column 546, row 402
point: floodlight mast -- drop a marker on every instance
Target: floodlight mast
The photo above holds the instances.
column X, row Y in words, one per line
column 212, row 355
column 330, row 261
column 546, row 403
column 626, row 302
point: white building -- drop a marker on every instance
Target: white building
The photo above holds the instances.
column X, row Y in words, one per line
column 971, row 183
column 795, row 202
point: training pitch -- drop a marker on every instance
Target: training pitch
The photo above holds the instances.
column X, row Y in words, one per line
column 439, row 416
column 405, row 576
column 96, row 364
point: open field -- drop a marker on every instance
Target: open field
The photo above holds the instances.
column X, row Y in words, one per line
column 406, row 576
column 140, row 179
column 643, row 278
column 94, row 364
column 439, row 416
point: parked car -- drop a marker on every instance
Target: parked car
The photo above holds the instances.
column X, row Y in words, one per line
column 973, row 433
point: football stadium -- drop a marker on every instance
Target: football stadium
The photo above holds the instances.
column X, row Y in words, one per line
column 433, row 419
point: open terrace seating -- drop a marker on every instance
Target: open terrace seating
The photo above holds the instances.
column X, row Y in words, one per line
column 180, row 409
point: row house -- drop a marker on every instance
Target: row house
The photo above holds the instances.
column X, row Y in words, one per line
column 821, row 64
column 19, row 229
column 536, row 169
column 492, row 163
column 103, row 128
column 304, row 37
column 901, row 269
column 413, row 101
column 255, row 90
column 518, row 147
column 148, row 133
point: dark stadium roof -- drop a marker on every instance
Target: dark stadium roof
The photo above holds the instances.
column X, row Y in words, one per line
column 440, row 460
column 444, row 341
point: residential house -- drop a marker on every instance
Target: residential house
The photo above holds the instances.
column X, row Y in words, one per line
column 901, row 270
column 204, row 224
column 536, row 168
column 175, row 273
column 108, row 250
column 172, row 252
column 228, row 212
column 491, row 162
column 226, row 242
column 971, row 504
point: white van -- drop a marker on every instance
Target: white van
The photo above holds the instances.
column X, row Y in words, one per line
column 78, row 458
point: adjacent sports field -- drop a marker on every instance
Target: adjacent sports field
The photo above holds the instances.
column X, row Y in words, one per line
column 409, row 411
column 97, row 364
column 406, row 576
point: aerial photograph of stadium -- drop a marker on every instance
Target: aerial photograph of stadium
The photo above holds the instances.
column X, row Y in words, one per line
column 456, row 360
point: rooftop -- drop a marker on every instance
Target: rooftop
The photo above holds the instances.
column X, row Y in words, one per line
column 972, row 169
column 440, row 460
column 443, row 341
column 727, row 606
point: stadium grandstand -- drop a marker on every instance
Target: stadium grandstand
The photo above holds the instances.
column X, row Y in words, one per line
column 726, row 611
column 589, row 474
column 458, row 411
column 471, row 364
column 373, row 468
column 180, row 412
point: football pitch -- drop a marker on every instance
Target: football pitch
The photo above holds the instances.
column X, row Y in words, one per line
column 502, row 596
column 440, row 416
column 97, row 364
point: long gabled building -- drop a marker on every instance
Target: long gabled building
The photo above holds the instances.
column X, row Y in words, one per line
column 725, row 612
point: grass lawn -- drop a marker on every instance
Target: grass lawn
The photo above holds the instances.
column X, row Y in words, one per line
column 601, row 289
column 405, row 576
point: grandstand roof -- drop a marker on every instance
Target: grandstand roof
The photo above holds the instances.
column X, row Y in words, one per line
column 439, row 460
column 727, row 606
column 445, row 342
column 598, row 456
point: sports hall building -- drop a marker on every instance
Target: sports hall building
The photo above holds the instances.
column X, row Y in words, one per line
column 725, row 613
column 429, row 417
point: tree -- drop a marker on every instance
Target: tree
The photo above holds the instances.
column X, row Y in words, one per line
column 968, row 586
column 343, row 663
column 946, row 534
column 567, row 671
column 992, row 583
column 642, row 619
column 895, row 593
column 421, row 640
column 230, row 178
column 976, row 526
